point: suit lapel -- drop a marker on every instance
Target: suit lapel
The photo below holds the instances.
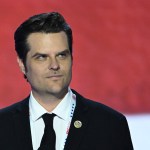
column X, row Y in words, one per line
column 76, row 135
column 22, row 126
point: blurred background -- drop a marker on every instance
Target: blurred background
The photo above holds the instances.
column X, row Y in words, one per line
column 111, row 55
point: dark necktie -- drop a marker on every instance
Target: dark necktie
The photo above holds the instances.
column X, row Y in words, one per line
column 49, row 138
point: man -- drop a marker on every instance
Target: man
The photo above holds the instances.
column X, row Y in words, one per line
column 44, row 48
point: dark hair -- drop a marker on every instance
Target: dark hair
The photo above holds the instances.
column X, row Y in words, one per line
column 52, row 22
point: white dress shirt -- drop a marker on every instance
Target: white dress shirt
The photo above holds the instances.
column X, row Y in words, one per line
column 61, row 123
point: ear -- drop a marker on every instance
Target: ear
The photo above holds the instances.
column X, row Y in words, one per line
column 21, row 65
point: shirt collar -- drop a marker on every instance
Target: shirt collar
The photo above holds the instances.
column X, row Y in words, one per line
column 62, row 110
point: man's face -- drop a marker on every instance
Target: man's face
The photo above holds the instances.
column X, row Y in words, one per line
column 48, row 63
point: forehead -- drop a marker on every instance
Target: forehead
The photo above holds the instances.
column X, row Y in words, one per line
column 48, row 41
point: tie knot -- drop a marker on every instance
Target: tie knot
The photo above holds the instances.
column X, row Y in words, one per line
column 48, row 119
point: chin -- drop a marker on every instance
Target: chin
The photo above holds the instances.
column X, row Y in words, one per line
column 58, row 91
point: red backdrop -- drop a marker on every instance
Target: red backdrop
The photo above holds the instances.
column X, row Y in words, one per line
column 111, row 50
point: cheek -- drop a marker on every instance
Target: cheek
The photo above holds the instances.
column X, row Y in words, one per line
column 33, row 70
column 69, row 71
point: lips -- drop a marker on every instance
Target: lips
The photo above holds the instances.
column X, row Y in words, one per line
column 54, row 76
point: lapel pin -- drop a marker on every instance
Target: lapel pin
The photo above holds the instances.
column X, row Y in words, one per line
column 78, row 124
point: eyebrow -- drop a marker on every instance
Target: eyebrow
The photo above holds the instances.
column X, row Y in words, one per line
column 44, row 54
column 38, row 54
column 67, row 51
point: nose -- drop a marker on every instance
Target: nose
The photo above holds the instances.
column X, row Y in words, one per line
column 54, row 64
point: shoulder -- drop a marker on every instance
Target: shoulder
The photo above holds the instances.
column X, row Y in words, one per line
column 18, row 106
column 98, row 109
column 103, row 123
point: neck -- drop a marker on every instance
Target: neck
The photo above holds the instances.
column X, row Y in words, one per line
column 48, row 101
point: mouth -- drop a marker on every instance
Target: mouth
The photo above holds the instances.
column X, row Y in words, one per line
column 55, row 77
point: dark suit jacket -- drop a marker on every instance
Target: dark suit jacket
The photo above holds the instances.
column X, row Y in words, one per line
column 102, row 128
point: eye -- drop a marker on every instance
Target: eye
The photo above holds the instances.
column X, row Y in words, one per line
column 41, row 57
column 63, row 54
